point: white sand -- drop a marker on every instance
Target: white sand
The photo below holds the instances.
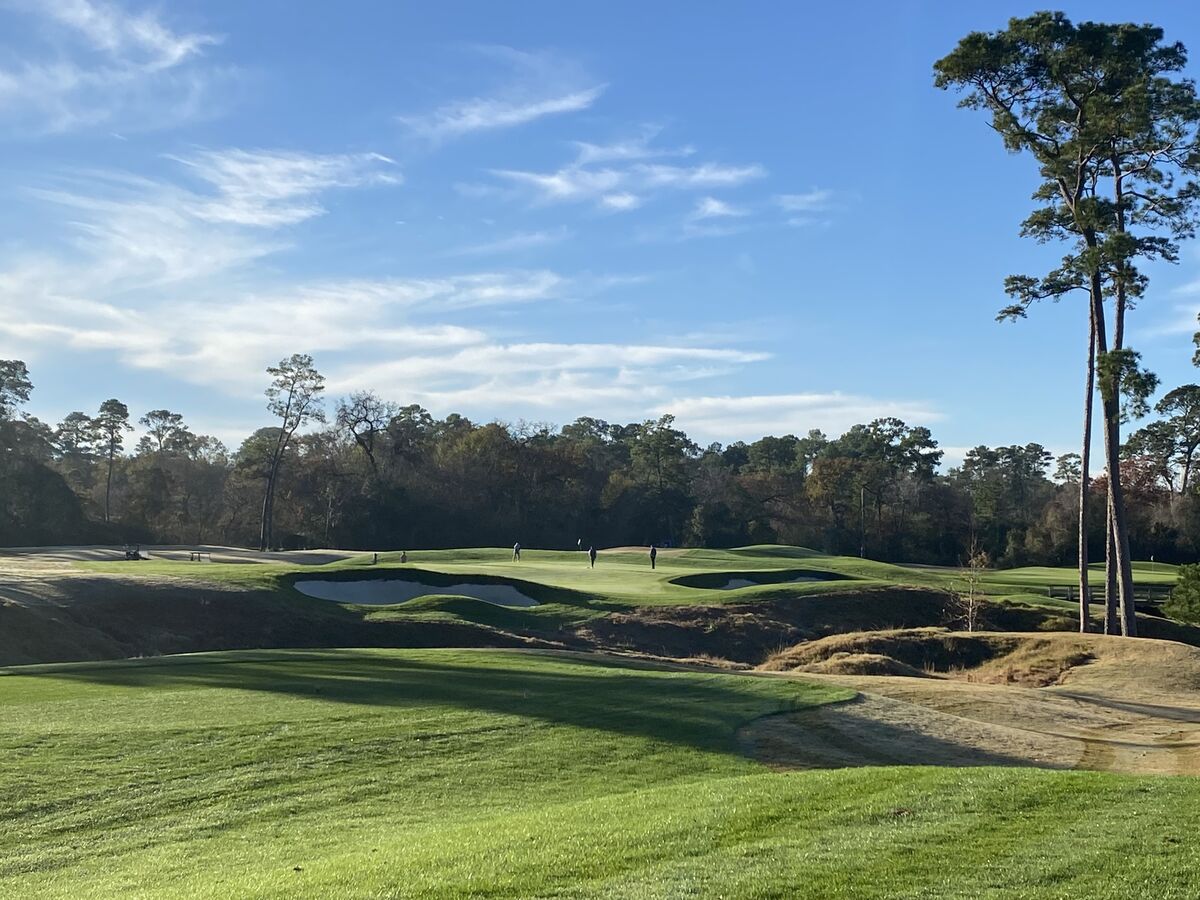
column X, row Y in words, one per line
column 394, row 590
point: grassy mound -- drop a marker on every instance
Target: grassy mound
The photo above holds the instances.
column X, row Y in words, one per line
column 782, row 551
column 981, row 656
column 984, row 657
column 849, row 663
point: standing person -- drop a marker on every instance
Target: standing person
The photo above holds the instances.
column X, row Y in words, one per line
column 517, row 552
column 403, row 556
column 653, row 556
column 592, row 555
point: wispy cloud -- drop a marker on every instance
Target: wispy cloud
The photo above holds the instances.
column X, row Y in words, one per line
column 1180, row 318
column 222, row 336
column 621, row 202
column 733, row 417
column 101, row 65
column 568, row 183
column 712, row 208
column 271, row 188
column 708, row 218
column 537, row 85
column 807, row 208
column 704, row 176
column 639, row 147
column 617, row 380
column 816, row 200
column 137, row 232
column 112, row 30
column 513, row 243
column 616, row 177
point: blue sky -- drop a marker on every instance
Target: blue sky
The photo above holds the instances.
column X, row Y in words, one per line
column 761, row 218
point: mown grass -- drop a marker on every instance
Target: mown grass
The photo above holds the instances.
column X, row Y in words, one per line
column 216, row 774
column 448, row 773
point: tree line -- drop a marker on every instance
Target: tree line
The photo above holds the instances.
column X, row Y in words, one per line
column 377, row 474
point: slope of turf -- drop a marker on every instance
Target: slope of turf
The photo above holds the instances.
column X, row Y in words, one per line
column 448, row 773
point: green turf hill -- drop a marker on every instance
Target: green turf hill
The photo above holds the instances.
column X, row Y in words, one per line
column 734, row 606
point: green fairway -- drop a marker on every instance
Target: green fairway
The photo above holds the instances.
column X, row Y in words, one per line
column 623, row 578
column 407, row 773
column 621, row 574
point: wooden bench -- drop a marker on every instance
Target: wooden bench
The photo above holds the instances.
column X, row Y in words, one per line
column 199, row 555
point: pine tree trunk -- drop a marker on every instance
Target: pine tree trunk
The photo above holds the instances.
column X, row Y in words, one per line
column 1085, row 454
column 266, row 517
column 1111, row 406
column 1116, row 502
column 268, row 510
column 1120, row 534
column 108, row 487
column 1112, row 619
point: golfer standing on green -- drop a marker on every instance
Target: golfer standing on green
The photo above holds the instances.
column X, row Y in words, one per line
column 653, row 556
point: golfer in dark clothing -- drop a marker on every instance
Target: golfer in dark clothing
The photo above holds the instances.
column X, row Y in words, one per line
column 592, row 556
column 653, row 556
column 517, row 552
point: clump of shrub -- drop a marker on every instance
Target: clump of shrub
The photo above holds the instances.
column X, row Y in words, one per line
column 1184, row 603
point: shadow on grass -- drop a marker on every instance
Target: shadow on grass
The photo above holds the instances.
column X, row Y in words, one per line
column 698, row 710
column 1187, row 714
column 725, row 581
column 546, row 618
column 807, row 740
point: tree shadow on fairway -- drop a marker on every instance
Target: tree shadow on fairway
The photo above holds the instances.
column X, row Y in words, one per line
column 699, row 710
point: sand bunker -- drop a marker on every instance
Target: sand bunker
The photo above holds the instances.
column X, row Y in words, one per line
column 382, row 592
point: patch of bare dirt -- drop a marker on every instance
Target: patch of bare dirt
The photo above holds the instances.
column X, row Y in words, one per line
column 1133, row 706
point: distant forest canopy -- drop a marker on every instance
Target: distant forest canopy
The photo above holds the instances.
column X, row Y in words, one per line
column 378, row 475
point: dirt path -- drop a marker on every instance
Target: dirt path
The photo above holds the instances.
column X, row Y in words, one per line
column 925, row 721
